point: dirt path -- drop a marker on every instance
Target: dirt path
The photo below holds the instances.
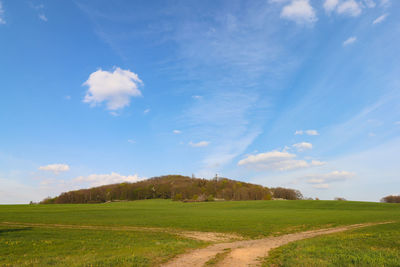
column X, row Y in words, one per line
column 248, row 252
column 202, row 236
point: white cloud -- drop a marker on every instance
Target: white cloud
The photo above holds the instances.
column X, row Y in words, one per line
column 317, row 163
column 115, row 88
column 131, row 141
column 369, row 3
column 199, row 144
column 307, row 132
column 176, row 132
column 40, row 10
column 43, row 17
column 146, row 111
column 299, row 11
column 385, row 3
column 104, row 179
column 397, row 123
column 350, row 41
column 330, row 5
column 350, row 8
column 2, row 19
column 303, row 146
column 325, row 179
column 56, row 168
column 276, row 160
column 380, row 19
column 197, row 97
column 321, row 186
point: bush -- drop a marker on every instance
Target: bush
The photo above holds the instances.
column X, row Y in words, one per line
column 267, row 197
column 391, row 199
column 210, row 198
column 177, row 197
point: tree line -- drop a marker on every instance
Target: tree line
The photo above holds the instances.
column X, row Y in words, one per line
column 175, row 187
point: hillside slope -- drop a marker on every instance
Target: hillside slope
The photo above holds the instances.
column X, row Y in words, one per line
column 175, row 187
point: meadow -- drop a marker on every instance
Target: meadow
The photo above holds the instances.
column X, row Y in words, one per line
column 377, row 245
column 43, row 246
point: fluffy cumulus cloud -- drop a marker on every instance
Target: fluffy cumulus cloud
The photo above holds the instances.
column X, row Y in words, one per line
column 303, row 146
column 55, row 168
column 380, row 19
column 330, row 5
column 307, row 132
column 350, row 7
column 199, row 144
column 104, row 179
column 276, row 160
column 347, row 7
column 350, row 41
column 114, row 88
column 322, row 181
column 299, row 11
column 176, row 132
column 2, row 19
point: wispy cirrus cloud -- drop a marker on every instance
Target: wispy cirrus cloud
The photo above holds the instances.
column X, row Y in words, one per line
column 380, row 19
column 350, row 41
column 2, row 19
column 40, row 10
column 277, row 160
column 105, row 179
column 55, row 168
column 199, row 144
column 323, row 181
column 306, row 132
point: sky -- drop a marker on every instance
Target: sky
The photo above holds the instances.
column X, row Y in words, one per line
column 302, row 94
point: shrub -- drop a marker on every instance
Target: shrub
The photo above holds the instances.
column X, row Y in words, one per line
column 177, row 197
column 210, row 198
column 391, row 199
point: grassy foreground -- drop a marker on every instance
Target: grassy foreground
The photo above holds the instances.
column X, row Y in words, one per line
column 371, row 246
column 41, row 246
column 25, row 246
column 249, row 218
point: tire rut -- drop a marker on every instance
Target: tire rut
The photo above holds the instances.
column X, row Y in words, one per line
column 249, row 252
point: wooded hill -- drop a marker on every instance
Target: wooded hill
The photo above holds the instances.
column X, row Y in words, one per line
column 175, row 187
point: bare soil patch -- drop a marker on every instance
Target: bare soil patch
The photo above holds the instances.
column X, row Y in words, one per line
column 249, row 252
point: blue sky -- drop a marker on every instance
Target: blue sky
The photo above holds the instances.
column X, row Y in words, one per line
column 295, row 93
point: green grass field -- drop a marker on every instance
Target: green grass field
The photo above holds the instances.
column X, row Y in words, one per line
column 27, row 246
column 372, row 246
